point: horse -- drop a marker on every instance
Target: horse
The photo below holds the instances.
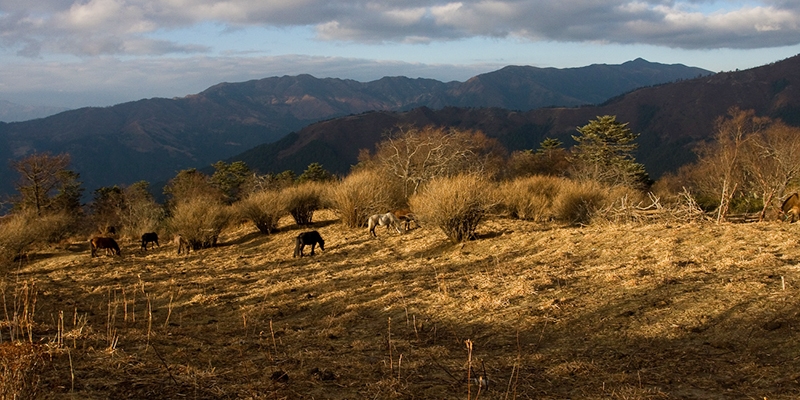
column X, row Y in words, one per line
column 791, row 207
column 104, row 243
column 149, row 237
column 388, row 220
column 182, row 244
column 407, row 217
column 311, row 237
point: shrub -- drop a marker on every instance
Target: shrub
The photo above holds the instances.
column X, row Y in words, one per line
column 531, row 198
column 577, row 202
column 361, row 194
column 20, row 232
column 16, row 234
column 200, row 220
column 264, row 209
column 302, row 200
column 140, row 213
column 455, row 204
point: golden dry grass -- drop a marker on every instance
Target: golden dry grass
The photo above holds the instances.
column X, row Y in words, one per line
column 656, row 311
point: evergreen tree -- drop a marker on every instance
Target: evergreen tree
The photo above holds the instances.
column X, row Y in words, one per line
column 231, row 179
column 604, row 153
column 315, row 173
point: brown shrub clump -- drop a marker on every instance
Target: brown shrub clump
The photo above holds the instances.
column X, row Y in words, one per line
column 302, row 200
column 531, row 198
column 577, row 202
column 200, row 220
column 21, row 232
column 455, row 204
column 264, row 209
column 361, row 194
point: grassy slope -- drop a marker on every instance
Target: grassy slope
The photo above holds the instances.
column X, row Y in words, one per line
column 607, row 311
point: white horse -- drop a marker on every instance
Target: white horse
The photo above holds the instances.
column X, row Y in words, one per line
column 388, row 220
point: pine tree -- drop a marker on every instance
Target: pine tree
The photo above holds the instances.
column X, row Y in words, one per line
column 604, row 153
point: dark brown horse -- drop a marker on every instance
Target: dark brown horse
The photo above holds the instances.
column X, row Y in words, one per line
column 407, row 217
column 149, row 237
column 312, row 237
column 104, row 243
column 791, row 207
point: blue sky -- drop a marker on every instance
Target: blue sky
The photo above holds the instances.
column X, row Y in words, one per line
column 100, row 52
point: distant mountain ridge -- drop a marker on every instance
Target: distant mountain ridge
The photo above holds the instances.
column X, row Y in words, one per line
column 12, row 112
column 152, row 139
column 672, row 119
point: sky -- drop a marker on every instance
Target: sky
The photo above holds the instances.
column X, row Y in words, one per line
column 77, row 53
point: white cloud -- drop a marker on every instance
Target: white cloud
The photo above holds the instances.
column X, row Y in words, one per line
column 94, row 27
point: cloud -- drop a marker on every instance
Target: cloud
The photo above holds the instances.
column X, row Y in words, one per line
column 125, row 27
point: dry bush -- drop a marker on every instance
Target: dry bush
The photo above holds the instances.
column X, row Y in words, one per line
column 577, row 202
column 20, row 232
column 530, row 198
column 141, row 217
column 361, row 194
column 302, row 200
column 455, row 204
column 20, row 366
column 264, row 209
column 200, row 220
column 16, row 234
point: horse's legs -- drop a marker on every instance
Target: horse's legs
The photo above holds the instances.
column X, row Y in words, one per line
column 312, row 247
column 372, row 225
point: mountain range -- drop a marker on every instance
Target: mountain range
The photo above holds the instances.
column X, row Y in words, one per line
column 152, row 139
column 671, row 120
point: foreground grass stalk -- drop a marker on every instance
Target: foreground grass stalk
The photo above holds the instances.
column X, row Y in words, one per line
column 469, row 368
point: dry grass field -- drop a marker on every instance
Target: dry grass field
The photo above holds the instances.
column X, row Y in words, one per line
column 634, row 311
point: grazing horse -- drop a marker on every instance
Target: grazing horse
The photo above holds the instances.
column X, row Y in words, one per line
column 182, row 244
column 104, row 243
column 149, row 237
column 388, row 220
column 791, row 207
column 311, row 237
column 407, row 217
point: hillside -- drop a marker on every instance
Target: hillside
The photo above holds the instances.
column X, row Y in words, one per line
column 659, row 311
column 672, row 119
column 154, row 138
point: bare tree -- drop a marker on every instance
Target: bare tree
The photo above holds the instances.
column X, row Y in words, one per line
column 414, row 156
column 722, row 161
column 771, row 161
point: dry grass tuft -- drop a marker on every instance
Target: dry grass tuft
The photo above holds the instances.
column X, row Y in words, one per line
column 264, row 209
column 577, row 202
column 454, row 204
column 21, row 232
column 361, row 194
column 531, row 198
column 302, row 200
column 200, row 221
